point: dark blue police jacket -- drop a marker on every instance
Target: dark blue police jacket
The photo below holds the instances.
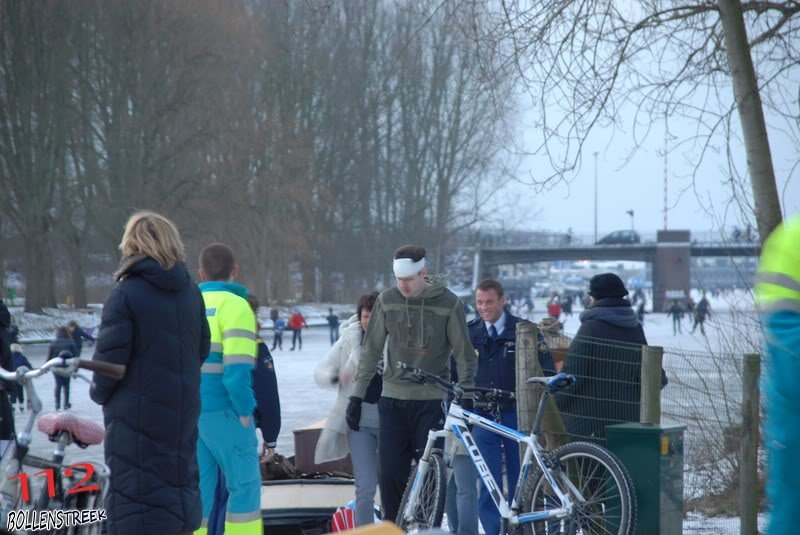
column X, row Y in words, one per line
column 497, row 358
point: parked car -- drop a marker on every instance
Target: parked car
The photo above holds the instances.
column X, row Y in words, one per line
column 620, row 237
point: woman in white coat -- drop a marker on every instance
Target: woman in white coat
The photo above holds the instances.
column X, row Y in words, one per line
column 336, row 439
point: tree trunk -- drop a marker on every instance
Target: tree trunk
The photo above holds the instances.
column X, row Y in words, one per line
column 39, row 278
column 751, row 115
column 309, row 279
column 77, row 272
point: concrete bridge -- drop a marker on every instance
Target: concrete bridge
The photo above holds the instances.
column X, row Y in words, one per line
column 669, row 254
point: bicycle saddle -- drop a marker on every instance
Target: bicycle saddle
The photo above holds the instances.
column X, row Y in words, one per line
column 554, row 383
column 84, row 432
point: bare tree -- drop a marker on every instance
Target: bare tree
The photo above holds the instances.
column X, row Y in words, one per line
column 585, row 63
column 34, row 115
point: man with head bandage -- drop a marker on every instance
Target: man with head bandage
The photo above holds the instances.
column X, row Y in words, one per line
column 423, row 322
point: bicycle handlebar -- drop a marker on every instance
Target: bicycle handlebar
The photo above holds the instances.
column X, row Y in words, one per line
column 24, row 373
column 494, row 394
column 64, row 367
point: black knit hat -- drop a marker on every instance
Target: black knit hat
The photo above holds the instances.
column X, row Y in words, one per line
column 607, row 285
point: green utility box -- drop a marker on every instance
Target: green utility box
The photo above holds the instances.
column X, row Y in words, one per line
column 653, row 455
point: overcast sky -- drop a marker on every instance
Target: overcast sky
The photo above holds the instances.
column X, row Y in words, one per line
column 639, row 184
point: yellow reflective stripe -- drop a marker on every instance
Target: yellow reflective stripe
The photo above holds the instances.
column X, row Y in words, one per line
column 238, row 359
column 214, row 367
column 778, row 279
column 216, row 347
column 239, row 333
column 240, row 345
column 254, row 527
column 242, row 517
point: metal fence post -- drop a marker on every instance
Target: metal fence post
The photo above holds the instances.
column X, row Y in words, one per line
column 748, row 461
column 650, row 410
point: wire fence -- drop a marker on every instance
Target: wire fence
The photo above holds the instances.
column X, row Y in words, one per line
column 703, row 392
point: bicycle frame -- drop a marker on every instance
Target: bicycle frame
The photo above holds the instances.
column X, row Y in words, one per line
column 456, row 424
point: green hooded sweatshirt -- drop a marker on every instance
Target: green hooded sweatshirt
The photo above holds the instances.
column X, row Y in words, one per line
column 422, row 332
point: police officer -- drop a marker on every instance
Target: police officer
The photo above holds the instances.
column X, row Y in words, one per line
column 493, row 335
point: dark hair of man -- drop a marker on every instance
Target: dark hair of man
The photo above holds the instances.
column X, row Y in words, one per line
column 216, row 261
column 414, row 252
column 72, row 323
column 487, row 285
column 366, row 301
column 62, row 332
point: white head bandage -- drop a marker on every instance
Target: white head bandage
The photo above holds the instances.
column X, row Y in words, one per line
column 405, row 267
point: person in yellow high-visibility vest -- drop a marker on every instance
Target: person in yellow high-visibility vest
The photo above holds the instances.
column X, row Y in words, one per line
column 227, row 436
column 778, row 296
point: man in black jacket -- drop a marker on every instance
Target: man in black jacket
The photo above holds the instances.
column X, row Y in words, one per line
column 606, row 359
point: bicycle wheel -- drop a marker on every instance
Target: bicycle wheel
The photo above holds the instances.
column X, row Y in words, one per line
column 600, row 488
column 429, row 509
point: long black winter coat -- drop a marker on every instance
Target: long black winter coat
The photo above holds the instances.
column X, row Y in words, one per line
column 606, row 359
column 153, row 323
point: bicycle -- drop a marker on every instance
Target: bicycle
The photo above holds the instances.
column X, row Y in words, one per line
column 578, row 489
column 78, row 487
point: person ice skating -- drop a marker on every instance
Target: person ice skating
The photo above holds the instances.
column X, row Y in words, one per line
column 777, row 292
column 676, row 311
column 554, row 307
column 153, row 325
column 78, row 335
column 267, row 418
column 609, row 381
column 333, row 325
column 278, row 326
column 336, row 439
column 62, row 346
column 566, row 306
column 701, row 312
column 296, row 323
column 17, row 391
column 227, row 440
column 424, row 322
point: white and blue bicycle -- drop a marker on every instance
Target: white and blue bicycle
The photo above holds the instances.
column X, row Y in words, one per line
column 578, row 489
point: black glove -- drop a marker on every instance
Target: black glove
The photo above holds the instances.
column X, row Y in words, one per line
column 468, row 404
column 353, row 413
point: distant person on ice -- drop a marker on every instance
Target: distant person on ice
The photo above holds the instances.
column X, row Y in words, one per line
column 423, row 322
column 78, row 335
column 333, row 325
column 296, row 323
column 62, row 346
column 154, row 325
column 18, row 360
column 676, row 311
column 701, row 312
column 278, row 326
